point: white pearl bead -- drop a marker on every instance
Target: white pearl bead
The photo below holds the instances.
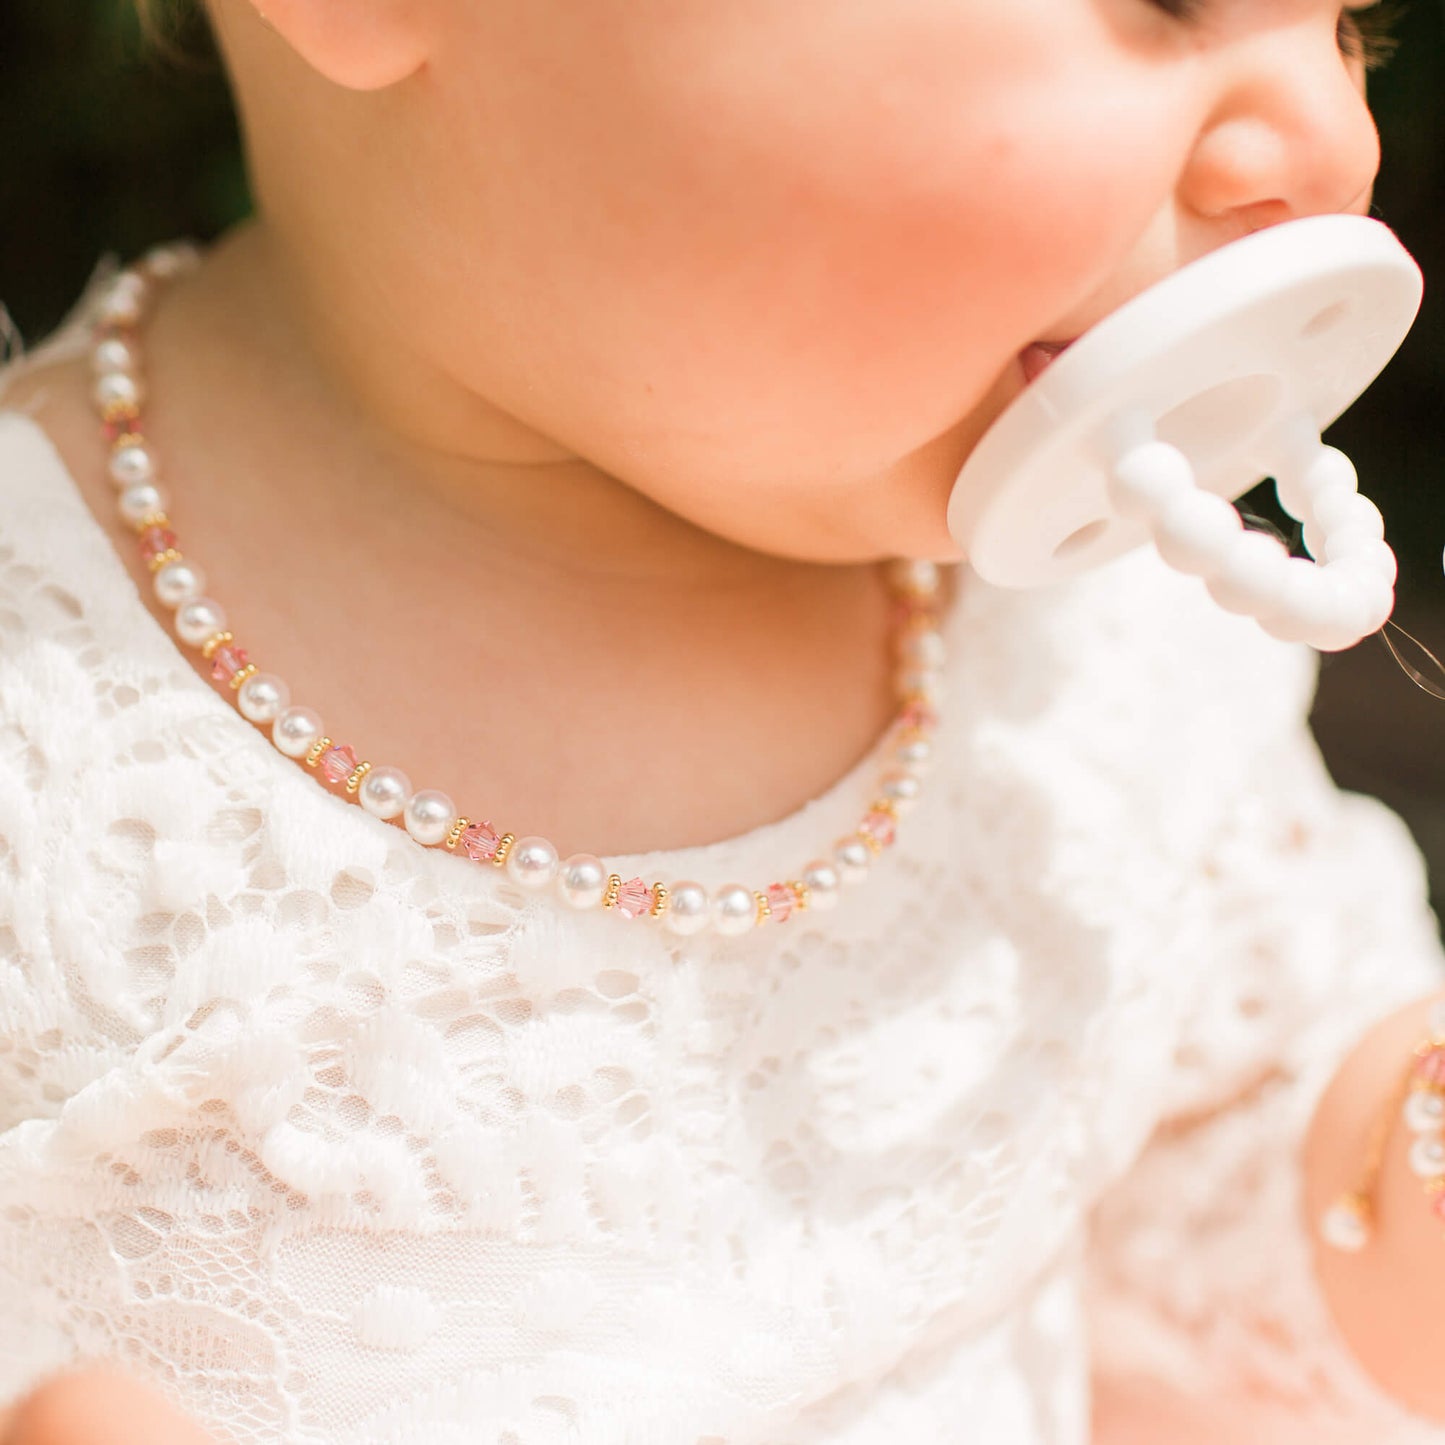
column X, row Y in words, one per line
column 922, row 648
column 117, row 388
column 532, row 863
column 1149, row 477
column 582, row 881
column 1251, row 581
column 429, row 816
column 916, row 755
column 919, row 682
column 114, row 353
column 296, row 730
column 174, row 259
column 1344, row 1227
column 853, row 858
column 734, row 911
column 1424, row 1112
column 141, row 501
column 914, row 576
column 1427, row 1156
column 1195, row 531
column 688, row 910
column 131, row 464
column 123, row 301
column 263, row 697
column 901, row 789
column 178, row 582
column 824, row 885
column 199, row 621
column 1328, row 470
column 384, row 791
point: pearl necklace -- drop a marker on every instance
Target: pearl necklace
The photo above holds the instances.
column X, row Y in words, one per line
column 582, row 881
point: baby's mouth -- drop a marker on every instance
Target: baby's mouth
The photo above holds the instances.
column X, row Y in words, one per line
column 1037, row 359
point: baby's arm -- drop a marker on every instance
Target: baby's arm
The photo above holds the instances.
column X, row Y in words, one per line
column 1212, row 1318
column 1387, row 1299
column 96, row 1407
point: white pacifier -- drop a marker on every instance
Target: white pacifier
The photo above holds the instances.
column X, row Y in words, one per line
column 1153, row 422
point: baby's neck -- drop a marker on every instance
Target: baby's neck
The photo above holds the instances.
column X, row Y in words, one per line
column 483, row 490
column 529, row 634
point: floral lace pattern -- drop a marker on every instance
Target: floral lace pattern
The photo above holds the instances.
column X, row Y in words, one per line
column 340, row 1140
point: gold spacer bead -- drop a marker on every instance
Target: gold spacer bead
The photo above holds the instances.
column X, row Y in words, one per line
column 885, row 805
column 873, row 845
column 454, row 836
column 1435, row 1186
column 214, row 641
column 127, row 439
column 765, row 909
column 317, row 748
column 660, row 894
column 503, row 849
column 249, row 670
column 152, row 519
column 171, row 554
column 354, row 781
column 115, row 411
column 801, row 892
column 614, row 887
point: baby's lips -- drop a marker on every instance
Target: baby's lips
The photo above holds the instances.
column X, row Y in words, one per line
column 1037, row 359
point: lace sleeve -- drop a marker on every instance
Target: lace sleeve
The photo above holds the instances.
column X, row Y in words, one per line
column 1202, row 1296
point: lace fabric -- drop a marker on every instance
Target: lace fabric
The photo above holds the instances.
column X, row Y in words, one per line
column 336, row 1139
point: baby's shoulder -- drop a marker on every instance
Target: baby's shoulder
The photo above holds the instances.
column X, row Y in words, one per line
column 47, row 419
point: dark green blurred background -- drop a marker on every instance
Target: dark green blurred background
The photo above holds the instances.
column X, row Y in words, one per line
column 107, row 145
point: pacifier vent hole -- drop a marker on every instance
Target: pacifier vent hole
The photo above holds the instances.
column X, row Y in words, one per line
column 1084, row 537
column 1224, row 419
column 1323, row 322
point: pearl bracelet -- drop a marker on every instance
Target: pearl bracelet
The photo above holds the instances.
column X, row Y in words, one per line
column 582, row 881
column 1419, row 1102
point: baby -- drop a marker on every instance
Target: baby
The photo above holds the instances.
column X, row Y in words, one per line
column 713, row 986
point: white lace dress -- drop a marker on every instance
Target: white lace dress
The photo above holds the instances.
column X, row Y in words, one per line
column 339, row 1140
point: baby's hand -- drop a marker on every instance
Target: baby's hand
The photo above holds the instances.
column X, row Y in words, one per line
column 96, row 1406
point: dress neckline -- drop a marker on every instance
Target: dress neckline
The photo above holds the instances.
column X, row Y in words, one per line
column 813, row 826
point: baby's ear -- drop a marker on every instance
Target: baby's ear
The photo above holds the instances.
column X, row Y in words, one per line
column 359, row 44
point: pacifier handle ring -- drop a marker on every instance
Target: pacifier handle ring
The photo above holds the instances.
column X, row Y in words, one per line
column 1330, row 603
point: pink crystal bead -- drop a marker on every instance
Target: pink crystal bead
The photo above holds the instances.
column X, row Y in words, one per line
column 1432, row 1068
column 634, row 899
column 120, row 426
column 919, row 715
column 480, row 842
column 912, row 611
column 881, row 826
column 156, row 540
column 226, row 662
column 338, row 763
column 1438, row 1205
column 781, row 902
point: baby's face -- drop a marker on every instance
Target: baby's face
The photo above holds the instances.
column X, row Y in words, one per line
column 773, row 262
